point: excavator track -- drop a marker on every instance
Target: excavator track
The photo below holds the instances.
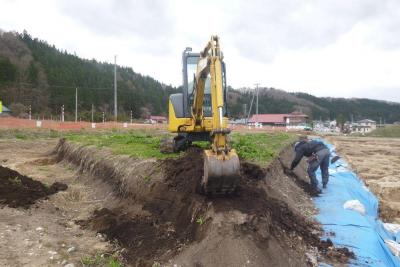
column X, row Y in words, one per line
column 221, row 173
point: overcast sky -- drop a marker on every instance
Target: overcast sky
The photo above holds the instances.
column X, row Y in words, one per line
column 339, row 48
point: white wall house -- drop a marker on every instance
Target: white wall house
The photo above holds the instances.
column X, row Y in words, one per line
column 364, row 126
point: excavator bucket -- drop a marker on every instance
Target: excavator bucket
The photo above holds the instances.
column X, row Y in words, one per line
column 221, row 172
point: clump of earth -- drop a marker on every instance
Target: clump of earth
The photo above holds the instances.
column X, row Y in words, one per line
column 17, row 190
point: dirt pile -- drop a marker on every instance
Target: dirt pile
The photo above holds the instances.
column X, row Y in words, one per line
column 17, row 190
column 161, row 217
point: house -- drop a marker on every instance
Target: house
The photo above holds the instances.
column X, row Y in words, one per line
column 158, row 119
column 325, row 126
column 364, row 126
column 291, row 119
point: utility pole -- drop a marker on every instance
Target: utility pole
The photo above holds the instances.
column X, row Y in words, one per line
column 131, row 116
column 76, row 104
column 257, row 84
column 92, row 112
column 62, row 113
column 115, row 88
column 251, row 105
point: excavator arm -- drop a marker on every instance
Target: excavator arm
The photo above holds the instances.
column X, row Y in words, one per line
column 221, row 164
column 195, row 122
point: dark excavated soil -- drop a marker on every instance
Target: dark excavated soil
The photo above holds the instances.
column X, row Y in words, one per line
column 174, row 211
column 17, row 190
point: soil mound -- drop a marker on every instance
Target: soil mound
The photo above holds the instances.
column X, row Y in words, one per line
column 162, row 218
column 17, row 190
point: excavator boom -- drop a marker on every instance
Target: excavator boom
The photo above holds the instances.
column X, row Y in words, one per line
column 221, row 163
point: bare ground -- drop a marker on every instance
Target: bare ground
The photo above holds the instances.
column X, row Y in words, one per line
column 150, row 212
column 159, row 216
column 42, row 234
column 377, row 161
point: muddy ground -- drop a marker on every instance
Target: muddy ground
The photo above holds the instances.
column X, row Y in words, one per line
column 149, row 212
column 377, row 161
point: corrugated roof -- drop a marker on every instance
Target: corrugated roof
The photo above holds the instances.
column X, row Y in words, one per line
column 275, row 118
column 366, row 120
column 268, row 118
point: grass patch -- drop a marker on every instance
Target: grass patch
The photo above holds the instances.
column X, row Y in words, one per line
column 103, row 261
column 29, row 134
column 260, row 148
column 255, row 147
column 16, row 181
column 138, row 144
column 200, row 221
column 392, row 131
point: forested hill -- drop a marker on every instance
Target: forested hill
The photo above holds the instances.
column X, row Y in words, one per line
column 278, row 101
column 34, row 73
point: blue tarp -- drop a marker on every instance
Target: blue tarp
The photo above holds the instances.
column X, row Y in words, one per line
column 362, row 234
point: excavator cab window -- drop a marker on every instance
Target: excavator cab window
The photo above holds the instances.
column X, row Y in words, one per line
column 190, row 68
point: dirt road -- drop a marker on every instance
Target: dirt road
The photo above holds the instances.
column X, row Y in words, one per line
column 377, row 161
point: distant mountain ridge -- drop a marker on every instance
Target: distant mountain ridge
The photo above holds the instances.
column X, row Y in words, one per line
column 38, row 74
column 35, row 73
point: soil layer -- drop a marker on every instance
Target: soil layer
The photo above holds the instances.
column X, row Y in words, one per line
column 18, row 190
column 173, row 223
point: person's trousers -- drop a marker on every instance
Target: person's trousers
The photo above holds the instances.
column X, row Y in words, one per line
column 322, row 160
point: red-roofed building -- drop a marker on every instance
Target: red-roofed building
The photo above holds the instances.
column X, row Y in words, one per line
column 294, row 118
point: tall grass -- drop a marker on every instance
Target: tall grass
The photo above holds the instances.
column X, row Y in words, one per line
column 392, row 131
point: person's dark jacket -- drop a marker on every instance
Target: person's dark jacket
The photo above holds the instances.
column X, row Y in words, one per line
column 306, row 148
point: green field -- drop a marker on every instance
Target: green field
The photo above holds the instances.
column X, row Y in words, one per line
column 258, row 147
column 388, row 131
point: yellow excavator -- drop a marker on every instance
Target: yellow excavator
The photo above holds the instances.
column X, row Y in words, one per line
column 199, row 113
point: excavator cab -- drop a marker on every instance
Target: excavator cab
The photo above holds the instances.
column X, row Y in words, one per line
column 189, row 68
column 199, row 113
column 182, row 103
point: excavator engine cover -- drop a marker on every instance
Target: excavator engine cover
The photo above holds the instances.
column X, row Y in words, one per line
column 221, row 172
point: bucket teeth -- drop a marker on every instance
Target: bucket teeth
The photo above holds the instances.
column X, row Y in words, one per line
column 221, row 172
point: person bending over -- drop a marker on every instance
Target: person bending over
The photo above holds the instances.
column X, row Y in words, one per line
column 318, row 156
